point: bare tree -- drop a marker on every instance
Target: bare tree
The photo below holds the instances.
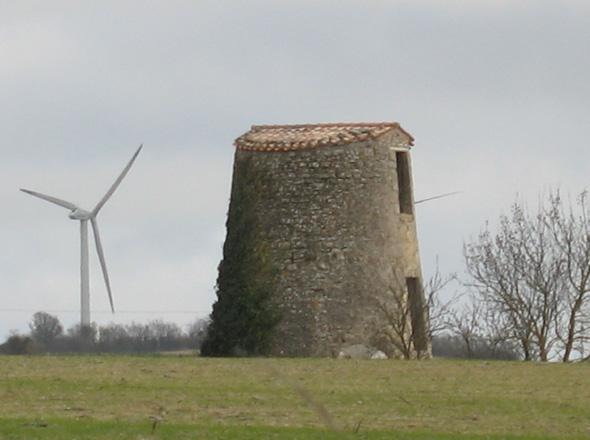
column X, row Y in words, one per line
column 467, row 325
column 197, row 331
column 438, row 310
column 166, row 335
column 534, row 274
column 540, row 266
column 518, row 274
column 415, row 313
column 114, row 338
column 571, row 233
column 499, row 333
column 84, row 334
column 397, row 313
column 45, row 328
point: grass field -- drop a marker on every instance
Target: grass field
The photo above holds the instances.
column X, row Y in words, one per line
column 117, row 397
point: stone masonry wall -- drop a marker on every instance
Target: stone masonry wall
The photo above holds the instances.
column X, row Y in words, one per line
column 330, row 220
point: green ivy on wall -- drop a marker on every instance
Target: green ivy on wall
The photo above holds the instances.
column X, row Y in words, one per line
column 244, row 316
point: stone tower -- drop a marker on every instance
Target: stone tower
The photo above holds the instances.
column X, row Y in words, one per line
column 333, row 207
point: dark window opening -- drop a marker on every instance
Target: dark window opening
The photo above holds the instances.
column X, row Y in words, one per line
column 417, row 313
column 404, row 184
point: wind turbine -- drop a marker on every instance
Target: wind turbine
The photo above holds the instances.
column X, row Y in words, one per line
column 84, row 216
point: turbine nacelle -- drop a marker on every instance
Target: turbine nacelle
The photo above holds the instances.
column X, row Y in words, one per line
column 80, row 214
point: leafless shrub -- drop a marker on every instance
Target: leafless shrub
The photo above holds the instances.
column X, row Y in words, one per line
column 413, row 318
column 533, row 277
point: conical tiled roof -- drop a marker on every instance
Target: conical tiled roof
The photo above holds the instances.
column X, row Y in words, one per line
column 306, row 136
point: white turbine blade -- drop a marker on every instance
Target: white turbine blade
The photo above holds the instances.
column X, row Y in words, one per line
column 103, row 263
column 437, row 197
column 51, row 199
column 116, row 184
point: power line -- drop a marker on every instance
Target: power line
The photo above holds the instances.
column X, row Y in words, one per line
column 126, row 312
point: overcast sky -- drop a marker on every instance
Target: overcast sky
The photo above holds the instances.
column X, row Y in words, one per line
column 496, row 94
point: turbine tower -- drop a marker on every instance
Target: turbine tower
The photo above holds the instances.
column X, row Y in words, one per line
column 84, row 216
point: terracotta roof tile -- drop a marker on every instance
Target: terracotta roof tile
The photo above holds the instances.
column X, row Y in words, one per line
column 306, row 136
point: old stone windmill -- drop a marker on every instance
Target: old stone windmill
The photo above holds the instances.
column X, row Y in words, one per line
column 328, row 209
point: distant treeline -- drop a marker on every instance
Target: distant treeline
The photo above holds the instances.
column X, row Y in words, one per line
column 452, row 346
column 47, row 335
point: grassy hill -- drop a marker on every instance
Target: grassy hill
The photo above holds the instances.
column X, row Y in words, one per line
column 120, row 397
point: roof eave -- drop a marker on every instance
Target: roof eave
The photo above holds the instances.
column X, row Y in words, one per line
column 242, row 144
